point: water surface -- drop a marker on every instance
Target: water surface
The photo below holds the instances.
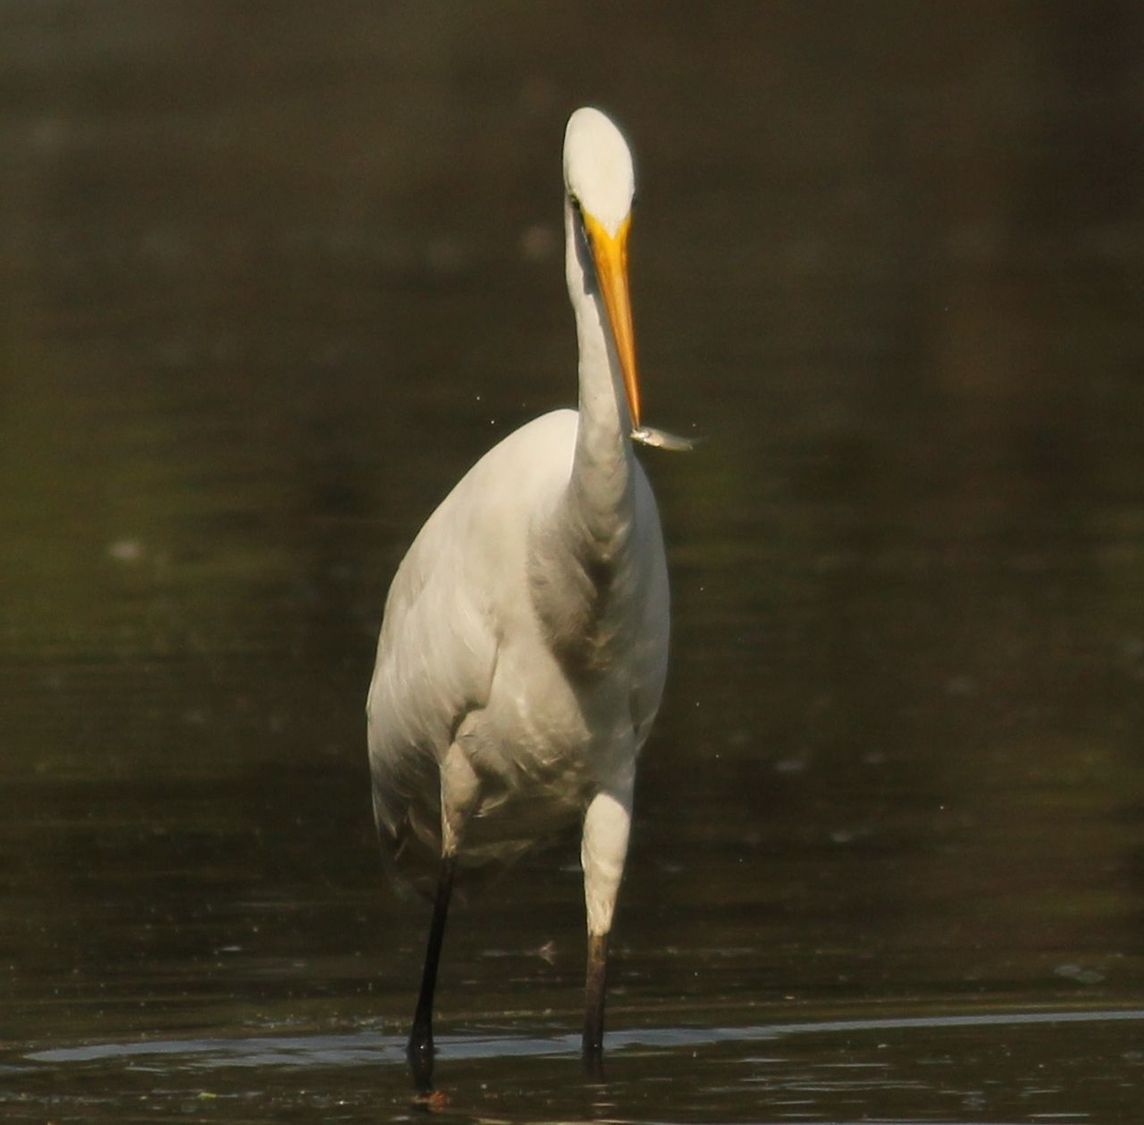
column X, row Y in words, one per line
column 274, row 279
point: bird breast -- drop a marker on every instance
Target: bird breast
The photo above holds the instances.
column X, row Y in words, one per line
column 542, row 657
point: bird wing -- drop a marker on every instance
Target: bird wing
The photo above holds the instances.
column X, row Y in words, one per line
column 435, row 659
column 649, row 658
column 444, row 619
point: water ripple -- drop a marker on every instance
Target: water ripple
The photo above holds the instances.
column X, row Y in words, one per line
column 367, row 1047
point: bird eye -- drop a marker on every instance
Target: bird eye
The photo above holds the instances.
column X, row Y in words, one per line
column 583, row 249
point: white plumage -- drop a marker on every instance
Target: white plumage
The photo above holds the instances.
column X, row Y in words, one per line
column 524, row 645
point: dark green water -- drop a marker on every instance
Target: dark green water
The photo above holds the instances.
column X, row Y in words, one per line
column 274, row 276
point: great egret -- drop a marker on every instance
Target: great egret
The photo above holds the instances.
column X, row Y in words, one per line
column 524, row 645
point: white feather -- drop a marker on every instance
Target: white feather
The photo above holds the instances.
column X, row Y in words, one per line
column 524, row 645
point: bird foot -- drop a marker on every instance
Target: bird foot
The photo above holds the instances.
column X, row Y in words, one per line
column 432, row 1100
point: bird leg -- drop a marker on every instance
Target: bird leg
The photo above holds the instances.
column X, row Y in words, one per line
column 594, row 990
column 420, row 1049
column 602, row 853
column 460, row 789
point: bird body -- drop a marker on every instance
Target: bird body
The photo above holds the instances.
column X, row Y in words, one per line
column 523, row 649
column 484, row 647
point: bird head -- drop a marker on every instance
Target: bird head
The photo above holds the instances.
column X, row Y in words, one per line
column 599, row 185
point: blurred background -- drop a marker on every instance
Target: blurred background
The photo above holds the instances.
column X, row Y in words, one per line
column 275, row 274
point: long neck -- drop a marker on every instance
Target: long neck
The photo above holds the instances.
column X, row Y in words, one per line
column 601, row 483
column 581, row 557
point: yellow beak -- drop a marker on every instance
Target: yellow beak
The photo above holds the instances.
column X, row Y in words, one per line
column 610, row 254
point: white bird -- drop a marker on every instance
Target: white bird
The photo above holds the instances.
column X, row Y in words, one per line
column 524, row 645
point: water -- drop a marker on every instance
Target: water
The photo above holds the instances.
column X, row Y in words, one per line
column 946, row 1067
column 273, row 280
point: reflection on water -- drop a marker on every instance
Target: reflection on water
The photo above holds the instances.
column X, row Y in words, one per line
column 365, row 1047
column 272, row 282
column 890, row 1067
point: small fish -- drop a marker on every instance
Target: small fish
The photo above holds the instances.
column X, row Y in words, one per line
column 661, row 439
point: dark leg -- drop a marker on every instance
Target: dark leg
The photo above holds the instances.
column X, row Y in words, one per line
column 420, row 1049
column 594, row 987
